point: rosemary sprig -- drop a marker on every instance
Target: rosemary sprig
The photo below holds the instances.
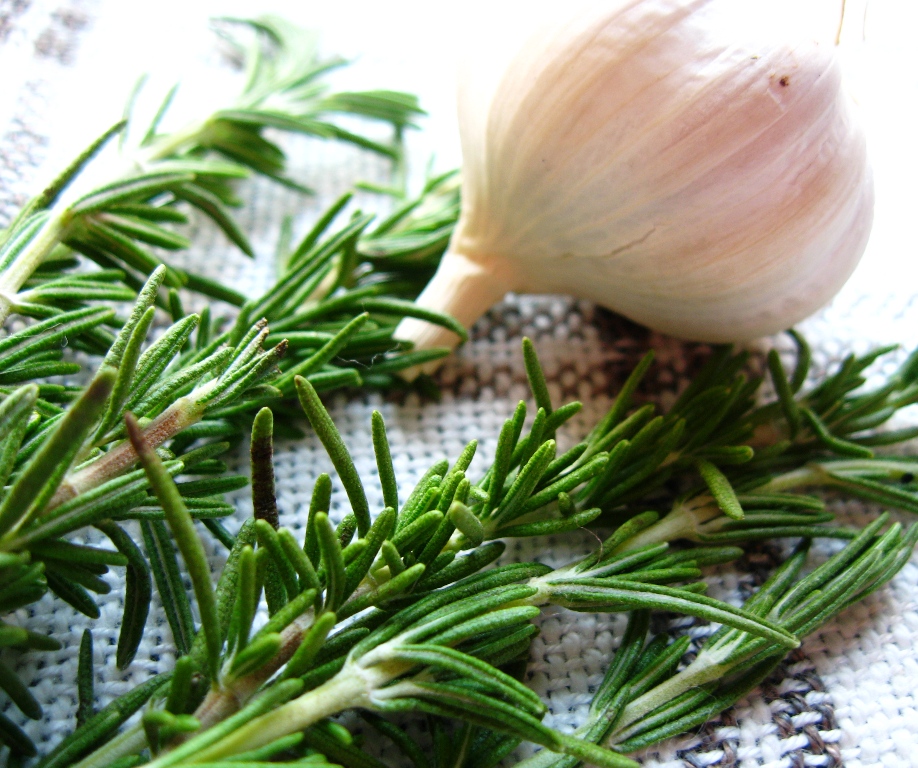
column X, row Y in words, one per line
column 642, row 702
column 396, row 620
column 118, row 219
column 192, row 384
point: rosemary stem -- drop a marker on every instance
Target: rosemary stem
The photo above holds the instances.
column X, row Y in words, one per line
column 228, row 699
column 706, row 668
column 680, row 522
column 170, row 144
column 130, row 742
column 798, row 478
column 30, row 258
column 181, row 415
column 352, row 687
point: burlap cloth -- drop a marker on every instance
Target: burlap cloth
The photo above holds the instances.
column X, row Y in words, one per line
column 846, row 698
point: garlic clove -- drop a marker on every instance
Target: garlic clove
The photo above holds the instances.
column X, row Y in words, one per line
column 696, row 169
column 468, row 287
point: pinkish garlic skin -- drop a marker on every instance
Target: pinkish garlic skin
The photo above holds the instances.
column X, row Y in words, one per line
column 704, row 178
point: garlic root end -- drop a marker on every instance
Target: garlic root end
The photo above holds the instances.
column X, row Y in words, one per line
column 463, row 288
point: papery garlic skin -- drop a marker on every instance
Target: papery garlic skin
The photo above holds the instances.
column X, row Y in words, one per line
column 686, row 164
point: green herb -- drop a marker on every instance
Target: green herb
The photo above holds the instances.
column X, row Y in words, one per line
column 115, row 223
column 387, row 623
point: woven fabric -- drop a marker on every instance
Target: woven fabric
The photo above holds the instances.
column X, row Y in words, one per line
column 847, row 697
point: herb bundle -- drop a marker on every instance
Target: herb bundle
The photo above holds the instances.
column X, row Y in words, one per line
column 409, row 611
column 396, row 612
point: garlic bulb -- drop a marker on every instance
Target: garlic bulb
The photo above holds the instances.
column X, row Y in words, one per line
column 685, row 163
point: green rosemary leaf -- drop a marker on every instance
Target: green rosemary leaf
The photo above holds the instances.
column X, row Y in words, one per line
column 622, row 401
column 50, row 194
column 23, row 638
column 804, row 359
column 403, row 308
column 725, row 455
column 466, row 523
column 462, row 567
column 320, row 502
column 318, row 229
column 309, row 647
column 254, row 656
column 72, row 593
column 12, row 736
column 28, row 372
column 337, row 451
column 264, row 503
column 187, row 539
column 15, row 413
column 18, row 693
column 387, row 479
column 536, row 377
column 138, row 593
column 383, row 593
column 246, row 601
column 347, row 377
column 158, row 116
column 180, row 686
column 473, row 607
column 834, row 444
column 86, row 576
column 358, row 568
column 145, row 232
column 140, row 188
column 212, row 207
column 332, row 561
column 418, row 502
column 85, row 694
column 548, row 527
column 392, row 558
column 268, row 538
column 228, row 586
column 596, row 594
column 512, row 503
column 152, row 213
column 462, row 665
column 324, row 354
column 308, row 270
column 566, row 483
column 620, row 435
column 721, row 489
column 164, row 565
column 433, row 547
column 211, row 288
column 50, row 333
column 528, row 445
column 17, row 239
column 41, row 477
